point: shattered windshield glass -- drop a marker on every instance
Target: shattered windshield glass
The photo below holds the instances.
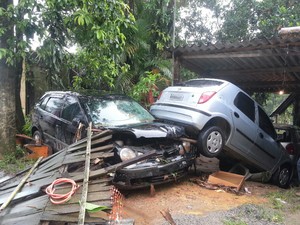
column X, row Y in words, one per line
column 113, row 112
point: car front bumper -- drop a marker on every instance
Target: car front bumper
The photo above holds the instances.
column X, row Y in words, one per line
column 146, row 174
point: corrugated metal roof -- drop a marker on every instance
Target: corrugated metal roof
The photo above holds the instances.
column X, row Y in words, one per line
column 266, row 65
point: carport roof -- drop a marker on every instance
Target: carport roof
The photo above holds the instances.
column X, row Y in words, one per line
column 259, row 65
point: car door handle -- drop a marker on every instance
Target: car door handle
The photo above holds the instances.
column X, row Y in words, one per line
column 236, row 115
column 261, row 135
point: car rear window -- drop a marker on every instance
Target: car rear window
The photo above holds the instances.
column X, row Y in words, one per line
column 201, row 83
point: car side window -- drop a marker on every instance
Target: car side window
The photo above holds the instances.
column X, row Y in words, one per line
column 246, row 105
column 71, row 109
column 54, row 105
column 265, row 123
column 44, row 102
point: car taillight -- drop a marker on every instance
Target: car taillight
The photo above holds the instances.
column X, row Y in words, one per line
column 205, row 96
column 290, row 149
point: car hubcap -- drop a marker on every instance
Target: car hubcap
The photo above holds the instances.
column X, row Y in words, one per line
column 37, row 138
column 214, row 142
column 284, row 176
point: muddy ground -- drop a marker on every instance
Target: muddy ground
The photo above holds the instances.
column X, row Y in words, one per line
column 187, row 198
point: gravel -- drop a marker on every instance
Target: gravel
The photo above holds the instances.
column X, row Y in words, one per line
column 248, row 214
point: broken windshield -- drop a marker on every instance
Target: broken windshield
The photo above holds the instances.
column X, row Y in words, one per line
column 114, row 112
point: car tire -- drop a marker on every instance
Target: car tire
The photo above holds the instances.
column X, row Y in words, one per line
column 37, row 136
column 211, row 142
column 282, row 176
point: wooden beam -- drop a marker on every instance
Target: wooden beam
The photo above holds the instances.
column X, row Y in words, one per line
column 85, row 185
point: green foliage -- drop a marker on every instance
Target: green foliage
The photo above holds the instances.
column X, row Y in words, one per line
column 234, row 222
column 258, row 212
column 284, row 202
column 27, row 126
column 145, row 49
column 146, row 84
column 96, row 27
column 13, row 162
column 235, row 20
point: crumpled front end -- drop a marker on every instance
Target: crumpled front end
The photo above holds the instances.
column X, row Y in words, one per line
column 167, row 166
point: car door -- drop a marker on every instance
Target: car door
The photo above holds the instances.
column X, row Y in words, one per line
column 72, row 115
column 245, row 128
column 266, row 150
column 49, row 118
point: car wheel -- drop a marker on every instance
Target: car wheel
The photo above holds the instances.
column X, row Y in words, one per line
column 282, row 177
column 37, row 136
column 211, row 141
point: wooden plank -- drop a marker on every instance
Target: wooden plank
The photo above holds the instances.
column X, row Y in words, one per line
column 85, row 185
column 104, row 171
column 53, row 161
column 37, row 203
column 94, row 142
column 47, row 216
column 33, row 219
column 96, row 173
column 94, row 196
column 39, row 176
column 101, row 134
column 103, row 181
column 62, row 189
column 26, row 191
column 84, row 140
column 95, row 149
column 81, row 158
column 73, row 208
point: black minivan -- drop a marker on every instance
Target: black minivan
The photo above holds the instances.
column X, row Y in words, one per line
column 60, row 116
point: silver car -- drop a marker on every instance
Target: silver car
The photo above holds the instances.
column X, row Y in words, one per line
column 227, row 123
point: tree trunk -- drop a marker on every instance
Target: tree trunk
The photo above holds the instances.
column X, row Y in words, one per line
column 7, row 92
column 20, row 121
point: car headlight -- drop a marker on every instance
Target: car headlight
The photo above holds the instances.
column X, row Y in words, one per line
column 126, row 154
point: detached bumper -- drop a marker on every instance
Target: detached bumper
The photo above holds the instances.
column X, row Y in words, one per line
column 145, row 174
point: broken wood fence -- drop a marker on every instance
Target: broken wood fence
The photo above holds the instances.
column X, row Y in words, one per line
column 31, row 205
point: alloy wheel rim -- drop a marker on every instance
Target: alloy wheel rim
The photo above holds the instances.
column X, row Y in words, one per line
column 214, row 142
column 284, row 176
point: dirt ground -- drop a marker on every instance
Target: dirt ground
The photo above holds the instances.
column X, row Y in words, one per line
column 187, row 197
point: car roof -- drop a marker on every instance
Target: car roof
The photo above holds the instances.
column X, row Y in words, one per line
column 61, row 94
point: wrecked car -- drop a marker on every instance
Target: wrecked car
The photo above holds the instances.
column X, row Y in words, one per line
column 289, row 136
column 227, row 123
column 61, row 118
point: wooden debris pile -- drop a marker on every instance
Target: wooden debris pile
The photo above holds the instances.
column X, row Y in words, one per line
column 31, row 205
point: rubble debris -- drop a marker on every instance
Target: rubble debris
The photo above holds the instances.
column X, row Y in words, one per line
column 20, row 185
column 31, row 205
column 210, row 186
column 167, row 215
column 227, row 179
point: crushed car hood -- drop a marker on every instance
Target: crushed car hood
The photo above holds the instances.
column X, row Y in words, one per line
column 153, row 130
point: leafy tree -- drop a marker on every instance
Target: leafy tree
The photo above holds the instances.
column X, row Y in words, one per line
column 235, row 20
column 97, row 27
column 145, row 51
